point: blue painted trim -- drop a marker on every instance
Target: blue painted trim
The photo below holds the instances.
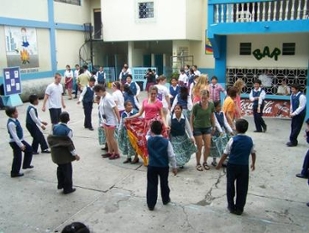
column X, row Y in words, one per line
column 67, row 26
column 52, row 35
column 269, row 97
column 23, row 22
column 268, row 27
column 220, row 58
column 39, row 24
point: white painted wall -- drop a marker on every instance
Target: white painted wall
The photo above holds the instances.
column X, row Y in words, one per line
column 73, row 14
column 67, row 47
column 3, row 59
column 120, row 21
column 299, row 60
column 21, row 9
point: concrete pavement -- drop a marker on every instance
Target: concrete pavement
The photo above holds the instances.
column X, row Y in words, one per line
column 110, row 195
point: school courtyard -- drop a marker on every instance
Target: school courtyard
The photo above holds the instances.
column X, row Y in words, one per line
column 110, row 195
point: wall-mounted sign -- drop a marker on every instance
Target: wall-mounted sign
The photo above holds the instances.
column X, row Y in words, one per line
column 272, row 108
column 258, row 54
column 11, row 81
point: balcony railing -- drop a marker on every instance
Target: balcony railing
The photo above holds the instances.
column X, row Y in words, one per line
column 259, row 11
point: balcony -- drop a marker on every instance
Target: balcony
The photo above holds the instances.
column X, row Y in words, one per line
column 261, row 11
column 257, row 16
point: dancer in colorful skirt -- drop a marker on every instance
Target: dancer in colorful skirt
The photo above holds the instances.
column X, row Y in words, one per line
column 222, row 134
column 181, row 136
column 123, row 139
column 137, row 128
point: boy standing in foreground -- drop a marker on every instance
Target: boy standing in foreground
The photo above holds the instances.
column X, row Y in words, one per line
column 63, row 153
column 161, row 154
column 18, row 143
column 238, row 149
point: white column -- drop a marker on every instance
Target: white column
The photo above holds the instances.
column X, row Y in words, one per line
column 152, row 59
column 130, row 53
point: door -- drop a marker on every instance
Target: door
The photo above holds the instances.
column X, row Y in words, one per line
column 159, row 63
column 147, row 60
column 97, row 29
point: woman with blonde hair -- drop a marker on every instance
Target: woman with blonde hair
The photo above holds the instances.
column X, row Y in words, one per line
column 239, row 85
column 203, row 124
column 202, row 84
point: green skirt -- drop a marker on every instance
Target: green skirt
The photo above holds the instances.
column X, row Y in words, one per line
column 183, row 149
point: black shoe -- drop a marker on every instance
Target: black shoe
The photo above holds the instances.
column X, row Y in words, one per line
column 75, row 97
column 127, row 160
column 59, row 186
column 35, row 153
column 166, row 202
column 237, row 212
column 13, row 175
column 290, row 144
column 69, row 191
column 29, row 167
column 150, row 208
column 91, row 129
column 231, row 209
column 46, row 151
column 256, row 131
column 301, row 176
column 265, row 129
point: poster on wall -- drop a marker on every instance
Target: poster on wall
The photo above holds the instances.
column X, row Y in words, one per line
column 21, row 48
column 272, row 108
column 11, row 81
column 208, row 47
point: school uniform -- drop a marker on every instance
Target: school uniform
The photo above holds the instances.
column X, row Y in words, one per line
column 101, row 77
column 239, row 149
column 160, row 155
column 64, row 169
column 32, row 124
column 16, row 141
column 173, row 92
column 134, row 87
column 298, row 113
column 86, row 97
column 258, row 120
column 123, row 76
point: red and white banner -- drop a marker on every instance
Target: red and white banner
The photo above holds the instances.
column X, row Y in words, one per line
column 272, row 108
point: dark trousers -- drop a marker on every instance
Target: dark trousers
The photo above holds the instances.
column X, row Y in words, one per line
column 17, row 157
column 87, row 113
column 240, row 175
column 38, row 138
column 54, row 115
column 258, row 120
column 64, row 176
column 296, row 124
column 305, row 171
column 152, row 185
column 76, row 89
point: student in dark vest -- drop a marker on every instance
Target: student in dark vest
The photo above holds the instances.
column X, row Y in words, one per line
column 257, row 96
column 238, row 149
column 63, row 153
column 184, row 99
column 87, row 97
column 161, row 154
column 297, row 113
column 133, row 86
column 124, row 74
column 101, row 76
column 33, row 122
column 129, row 96
column 174, row 90
column 18, row 143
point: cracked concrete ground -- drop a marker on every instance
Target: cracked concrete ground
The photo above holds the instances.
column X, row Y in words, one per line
column 110, row 195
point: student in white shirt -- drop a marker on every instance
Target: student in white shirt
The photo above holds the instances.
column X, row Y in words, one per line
column 76, row 74
column 163, row 94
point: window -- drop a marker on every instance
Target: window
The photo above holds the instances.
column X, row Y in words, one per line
column 245, row 49
column 145, row 10
column 288, row 49
column 73, row 2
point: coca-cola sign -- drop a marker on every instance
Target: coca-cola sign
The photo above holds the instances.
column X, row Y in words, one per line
column 272, row 108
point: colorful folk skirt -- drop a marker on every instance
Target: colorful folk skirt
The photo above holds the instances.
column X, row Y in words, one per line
column 137, row 129
column 183, row 148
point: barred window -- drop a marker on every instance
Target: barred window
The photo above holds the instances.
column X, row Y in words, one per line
column 245, row 49
column 288, row 49
column 73, row 2
column 145, row 10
